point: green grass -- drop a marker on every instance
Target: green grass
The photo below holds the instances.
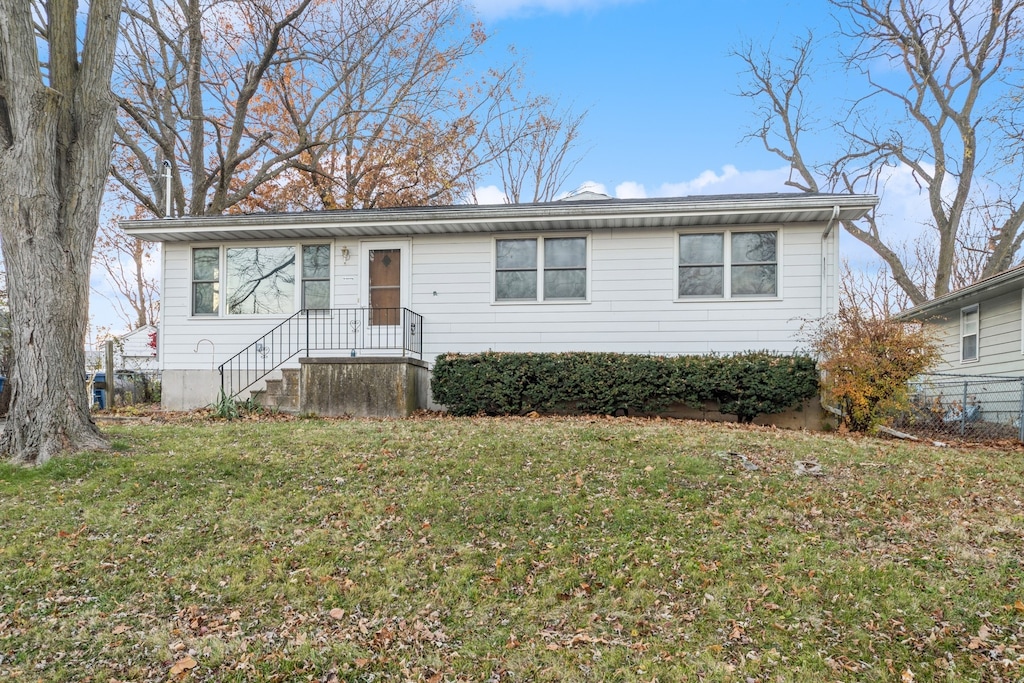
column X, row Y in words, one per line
column 441, row 549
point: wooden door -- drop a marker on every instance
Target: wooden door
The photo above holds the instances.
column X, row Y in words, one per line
column 385, row 283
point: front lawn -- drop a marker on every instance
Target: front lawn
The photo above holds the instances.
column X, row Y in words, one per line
column 575, row 549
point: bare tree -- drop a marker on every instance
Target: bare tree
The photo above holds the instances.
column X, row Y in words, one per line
column 533, row 148
column 128, row 263
column 57, row 119
column 939, row 82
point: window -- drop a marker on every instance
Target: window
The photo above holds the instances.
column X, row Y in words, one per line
column 969, row 334
column 205, row 281
column 728, row 264
column 316, row 276
column 260, row 280
column 563, row 277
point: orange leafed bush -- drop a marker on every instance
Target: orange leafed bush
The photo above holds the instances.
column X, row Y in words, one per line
column 866, row 362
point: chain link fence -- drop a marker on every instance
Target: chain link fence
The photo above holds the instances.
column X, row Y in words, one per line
column 967, row 407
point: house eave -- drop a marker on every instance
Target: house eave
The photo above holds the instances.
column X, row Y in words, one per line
column 1001, row 283
column 702, row 211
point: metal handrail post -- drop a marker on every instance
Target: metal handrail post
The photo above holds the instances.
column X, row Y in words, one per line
column 1020, row 416
column 963, row 412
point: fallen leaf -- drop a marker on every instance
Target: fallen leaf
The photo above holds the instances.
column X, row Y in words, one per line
column 119, row 629
column 337, row 613
column 183, row 665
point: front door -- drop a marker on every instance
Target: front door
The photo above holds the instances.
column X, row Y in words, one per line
column 385, row 277
column 385, row 284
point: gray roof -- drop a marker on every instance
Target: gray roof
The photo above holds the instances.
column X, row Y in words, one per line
column 995, row 285
column 703, row 210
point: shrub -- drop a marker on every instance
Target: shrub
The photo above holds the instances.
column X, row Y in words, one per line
column 745, row 385
column 867, row 362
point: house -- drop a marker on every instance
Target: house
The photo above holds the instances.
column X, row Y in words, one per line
column 981, row 340
column 136, row 350
column 245, row 294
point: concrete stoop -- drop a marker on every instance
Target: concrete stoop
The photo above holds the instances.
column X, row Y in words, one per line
column 389, row 386
column 349, row 387
column 281, row 394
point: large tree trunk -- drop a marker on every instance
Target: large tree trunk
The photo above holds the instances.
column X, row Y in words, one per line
column 55, row 142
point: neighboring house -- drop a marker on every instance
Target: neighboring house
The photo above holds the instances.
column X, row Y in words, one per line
column 137, row 350
column 980, row 336
column 133, row 350
column 978, row 327
column 687, row 275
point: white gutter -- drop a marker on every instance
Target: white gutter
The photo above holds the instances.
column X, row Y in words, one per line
column 824, row 260
column 472, row 218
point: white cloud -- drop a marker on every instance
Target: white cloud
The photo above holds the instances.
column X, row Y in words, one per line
column 730, row 181
column 490, row 194
column 500, row 9
column 630, row 190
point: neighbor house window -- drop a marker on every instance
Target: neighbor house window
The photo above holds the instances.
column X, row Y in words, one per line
column 205, row 281
column 728, row 264
column 316, row 276
column 541, row 269
column 969, row 334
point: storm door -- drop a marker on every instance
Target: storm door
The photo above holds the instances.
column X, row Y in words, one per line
column 385, row 286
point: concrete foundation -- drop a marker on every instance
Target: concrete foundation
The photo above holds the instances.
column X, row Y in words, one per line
column 808, row 416
column 363, row 387
column 188, row 389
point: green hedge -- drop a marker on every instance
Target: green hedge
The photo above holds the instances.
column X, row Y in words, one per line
column 745, row 384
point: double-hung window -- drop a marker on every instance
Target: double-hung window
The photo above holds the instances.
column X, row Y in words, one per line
column 260, row 280
column 540, row 269
column 969, row 328
column 728, row 264
column 206, row 281
column 316, row 276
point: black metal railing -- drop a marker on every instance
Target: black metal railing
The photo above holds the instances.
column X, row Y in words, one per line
column 323, row 329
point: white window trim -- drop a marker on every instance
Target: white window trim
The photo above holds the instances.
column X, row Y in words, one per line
column 540, row 270
column 977, row 333
column 222, row 248
column 727, row 265
column 192, row 315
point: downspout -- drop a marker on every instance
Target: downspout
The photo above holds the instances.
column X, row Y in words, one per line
column 824, row 260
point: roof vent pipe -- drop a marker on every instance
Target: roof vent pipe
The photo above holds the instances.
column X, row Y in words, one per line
column 167, row 189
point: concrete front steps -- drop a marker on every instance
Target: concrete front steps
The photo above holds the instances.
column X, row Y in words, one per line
column 281, row 394
column 390, row 386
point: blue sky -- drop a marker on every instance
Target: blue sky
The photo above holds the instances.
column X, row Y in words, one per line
column 659, row 84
